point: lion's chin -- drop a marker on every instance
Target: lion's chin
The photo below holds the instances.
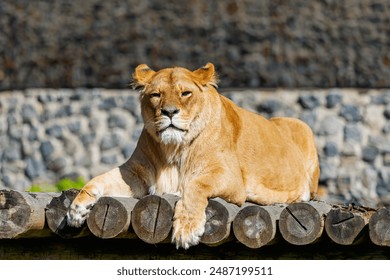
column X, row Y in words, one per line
column 172, row 136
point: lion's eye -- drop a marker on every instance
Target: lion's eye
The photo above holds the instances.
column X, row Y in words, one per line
column 155, row 94
column 186, row 93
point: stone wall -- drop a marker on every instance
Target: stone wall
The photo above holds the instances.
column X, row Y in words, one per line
column 49, row 134
column 267, row 43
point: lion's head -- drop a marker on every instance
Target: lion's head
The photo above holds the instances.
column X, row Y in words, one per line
column 175, row 101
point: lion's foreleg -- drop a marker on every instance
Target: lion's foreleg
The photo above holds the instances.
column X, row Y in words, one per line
column 190, row 215
column 108, row 184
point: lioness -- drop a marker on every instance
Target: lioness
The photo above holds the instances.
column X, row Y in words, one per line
column 198, row 144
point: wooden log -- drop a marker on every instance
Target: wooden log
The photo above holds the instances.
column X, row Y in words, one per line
column 110, row 217
column 303, row 223
column 379, row 227
column 22, row 214
column 219, row 217
column 152, row 217
column 256, row 226
column 56, row 216
column 345, row 225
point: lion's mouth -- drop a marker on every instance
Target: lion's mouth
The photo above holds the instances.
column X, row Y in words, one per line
column 173, row 127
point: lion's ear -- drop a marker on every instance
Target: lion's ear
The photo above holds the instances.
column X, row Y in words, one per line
column 142, row 75
column 207, row 75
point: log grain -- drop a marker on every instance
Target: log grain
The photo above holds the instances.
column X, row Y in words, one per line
column 56, row 216
column 346, row 225
column 303, row 223
column 152, row 217
column 219, row 217
column 110, row 217
column 256, row 226
column 379, row 227
column 22, row 214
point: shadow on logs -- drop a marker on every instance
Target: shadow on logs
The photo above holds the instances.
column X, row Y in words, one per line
column 379, row 227
column 152, row 217
column 303, row 223
column 23, row 214
column 219, row 217
column 56, row 216
column 110, row 217
column 256, row 226
column 346, row 226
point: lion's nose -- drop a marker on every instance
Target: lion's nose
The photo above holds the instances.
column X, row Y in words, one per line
column 170, row 111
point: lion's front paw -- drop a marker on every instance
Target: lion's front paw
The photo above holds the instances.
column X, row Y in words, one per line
column 187, row 229
column 77, row 214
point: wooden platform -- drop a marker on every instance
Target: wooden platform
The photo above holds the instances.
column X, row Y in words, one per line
column 35, row 223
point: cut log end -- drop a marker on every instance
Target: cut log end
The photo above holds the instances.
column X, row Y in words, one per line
column 216, row 228
column 344, row 227
column 301, row 224
column 379, row 227
column 110, row 216
column 151, row 218
column 56, row 215
column 15, row 213
column 254, row 227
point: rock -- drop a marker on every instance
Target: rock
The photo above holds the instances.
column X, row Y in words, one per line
column 309, row 101
column 351, row 149
column 57, row 164
column 15, row 132
column 386, row 112
column 28, row 113
column 381, row 142
column 34, row 168
column 110, row 141
column 55, row 130
column 380, row 99
column 269, row 107
column 329, row 171
column 46, row 149
column 33, row 134
column 137, row 132
column 386, row 128
column 331, row 149
column 132, row 104
column 12, row 152
column 333, row 99
column 331, row 125
column 352, row 132
column 88, row 138
column 74, row 126
column 383, row 184
column 86, row 111
column 109, row 159
column 128, row 150
column 117, row 121
column 369, row 153
column 12, row 119
column 351, row 113
column 308, row 117
column 64, row 111
column 8, row 179
column 108, row 103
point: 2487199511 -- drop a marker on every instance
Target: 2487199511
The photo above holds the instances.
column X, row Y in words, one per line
column 241, row 270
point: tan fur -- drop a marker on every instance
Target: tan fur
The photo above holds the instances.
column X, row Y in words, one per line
column 216, row 149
